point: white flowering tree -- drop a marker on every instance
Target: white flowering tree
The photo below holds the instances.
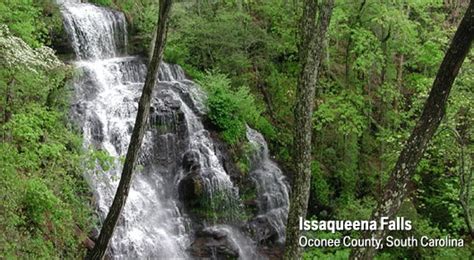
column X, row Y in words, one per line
column 19, row 63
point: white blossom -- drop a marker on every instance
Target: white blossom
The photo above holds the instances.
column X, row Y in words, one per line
column 15, row 53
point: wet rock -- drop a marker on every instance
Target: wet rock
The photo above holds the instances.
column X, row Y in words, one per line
column 272, row 252
column 115, row 139
column 173, row 104
column 166, row 115
column 90, row 87
column 191, row 161
column 213, row 244
column 251, row 205
column 60, row 41
column 263, row 231
column 225, row 158
column 191, row 189
column 96, row 131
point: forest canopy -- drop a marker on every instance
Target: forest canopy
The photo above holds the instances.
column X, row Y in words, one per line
column 380, row 60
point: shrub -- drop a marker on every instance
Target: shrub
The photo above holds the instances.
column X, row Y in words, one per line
column 230, row 110
column 44, row 197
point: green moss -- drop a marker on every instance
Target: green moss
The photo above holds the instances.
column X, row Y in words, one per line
column 221, row 207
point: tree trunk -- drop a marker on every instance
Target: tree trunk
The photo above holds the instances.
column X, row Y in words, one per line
column 87, row 242
column 433, row 112
column 310, row 49
column 137, row 136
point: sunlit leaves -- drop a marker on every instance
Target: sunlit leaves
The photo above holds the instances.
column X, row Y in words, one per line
column 345, row 111
column 43, row 193
column 231, row 110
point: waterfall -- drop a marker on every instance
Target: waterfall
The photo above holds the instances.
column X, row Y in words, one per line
column 96, row 33
column 107, row 90
column 272, row 187
column 154, row 223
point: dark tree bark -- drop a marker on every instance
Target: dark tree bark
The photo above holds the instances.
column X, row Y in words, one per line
column 87, row 242
column 313, row 33
column 433, row 112
column 137, row 136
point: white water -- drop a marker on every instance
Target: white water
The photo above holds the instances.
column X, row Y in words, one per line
column 152, row 225
column 272, row 187
column 106, row 93
column 104, row 31
column 107, row 89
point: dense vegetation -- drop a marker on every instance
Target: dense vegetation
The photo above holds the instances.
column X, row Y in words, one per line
column 380, row 61
column 45, row 201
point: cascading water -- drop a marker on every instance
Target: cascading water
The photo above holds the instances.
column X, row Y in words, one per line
column 104, row 30
column 106, row 104
column 107, row 90
column 272, row 187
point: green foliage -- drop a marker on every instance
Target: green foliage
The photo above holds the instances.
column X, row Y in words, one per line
column 44, row 197
column 224, row 108
column 102, row 2
column 344, row 112
column 381, row 59
column 244, row 156
column 219, row 207
column 24, row 20
column 380, row 62
column 41, row 204
column 142, row 17
column 43, row 177
column 317, row 254
column 230, row 110
column 33, row 21
column 322, row 252
column 100, row 158
column 320, row 188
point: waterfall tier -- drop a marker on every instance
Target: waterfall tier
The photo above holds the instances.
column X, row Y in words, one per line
column 175, row 149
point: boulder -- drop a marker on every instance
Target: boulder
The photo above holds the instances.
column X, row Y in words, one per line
column 191, row 189
column 263, row 231
column 213, row 244
column 191, row 161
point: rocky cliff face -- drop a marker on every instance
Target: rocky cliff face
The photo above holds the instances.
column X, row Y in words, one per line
column 187, row 197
